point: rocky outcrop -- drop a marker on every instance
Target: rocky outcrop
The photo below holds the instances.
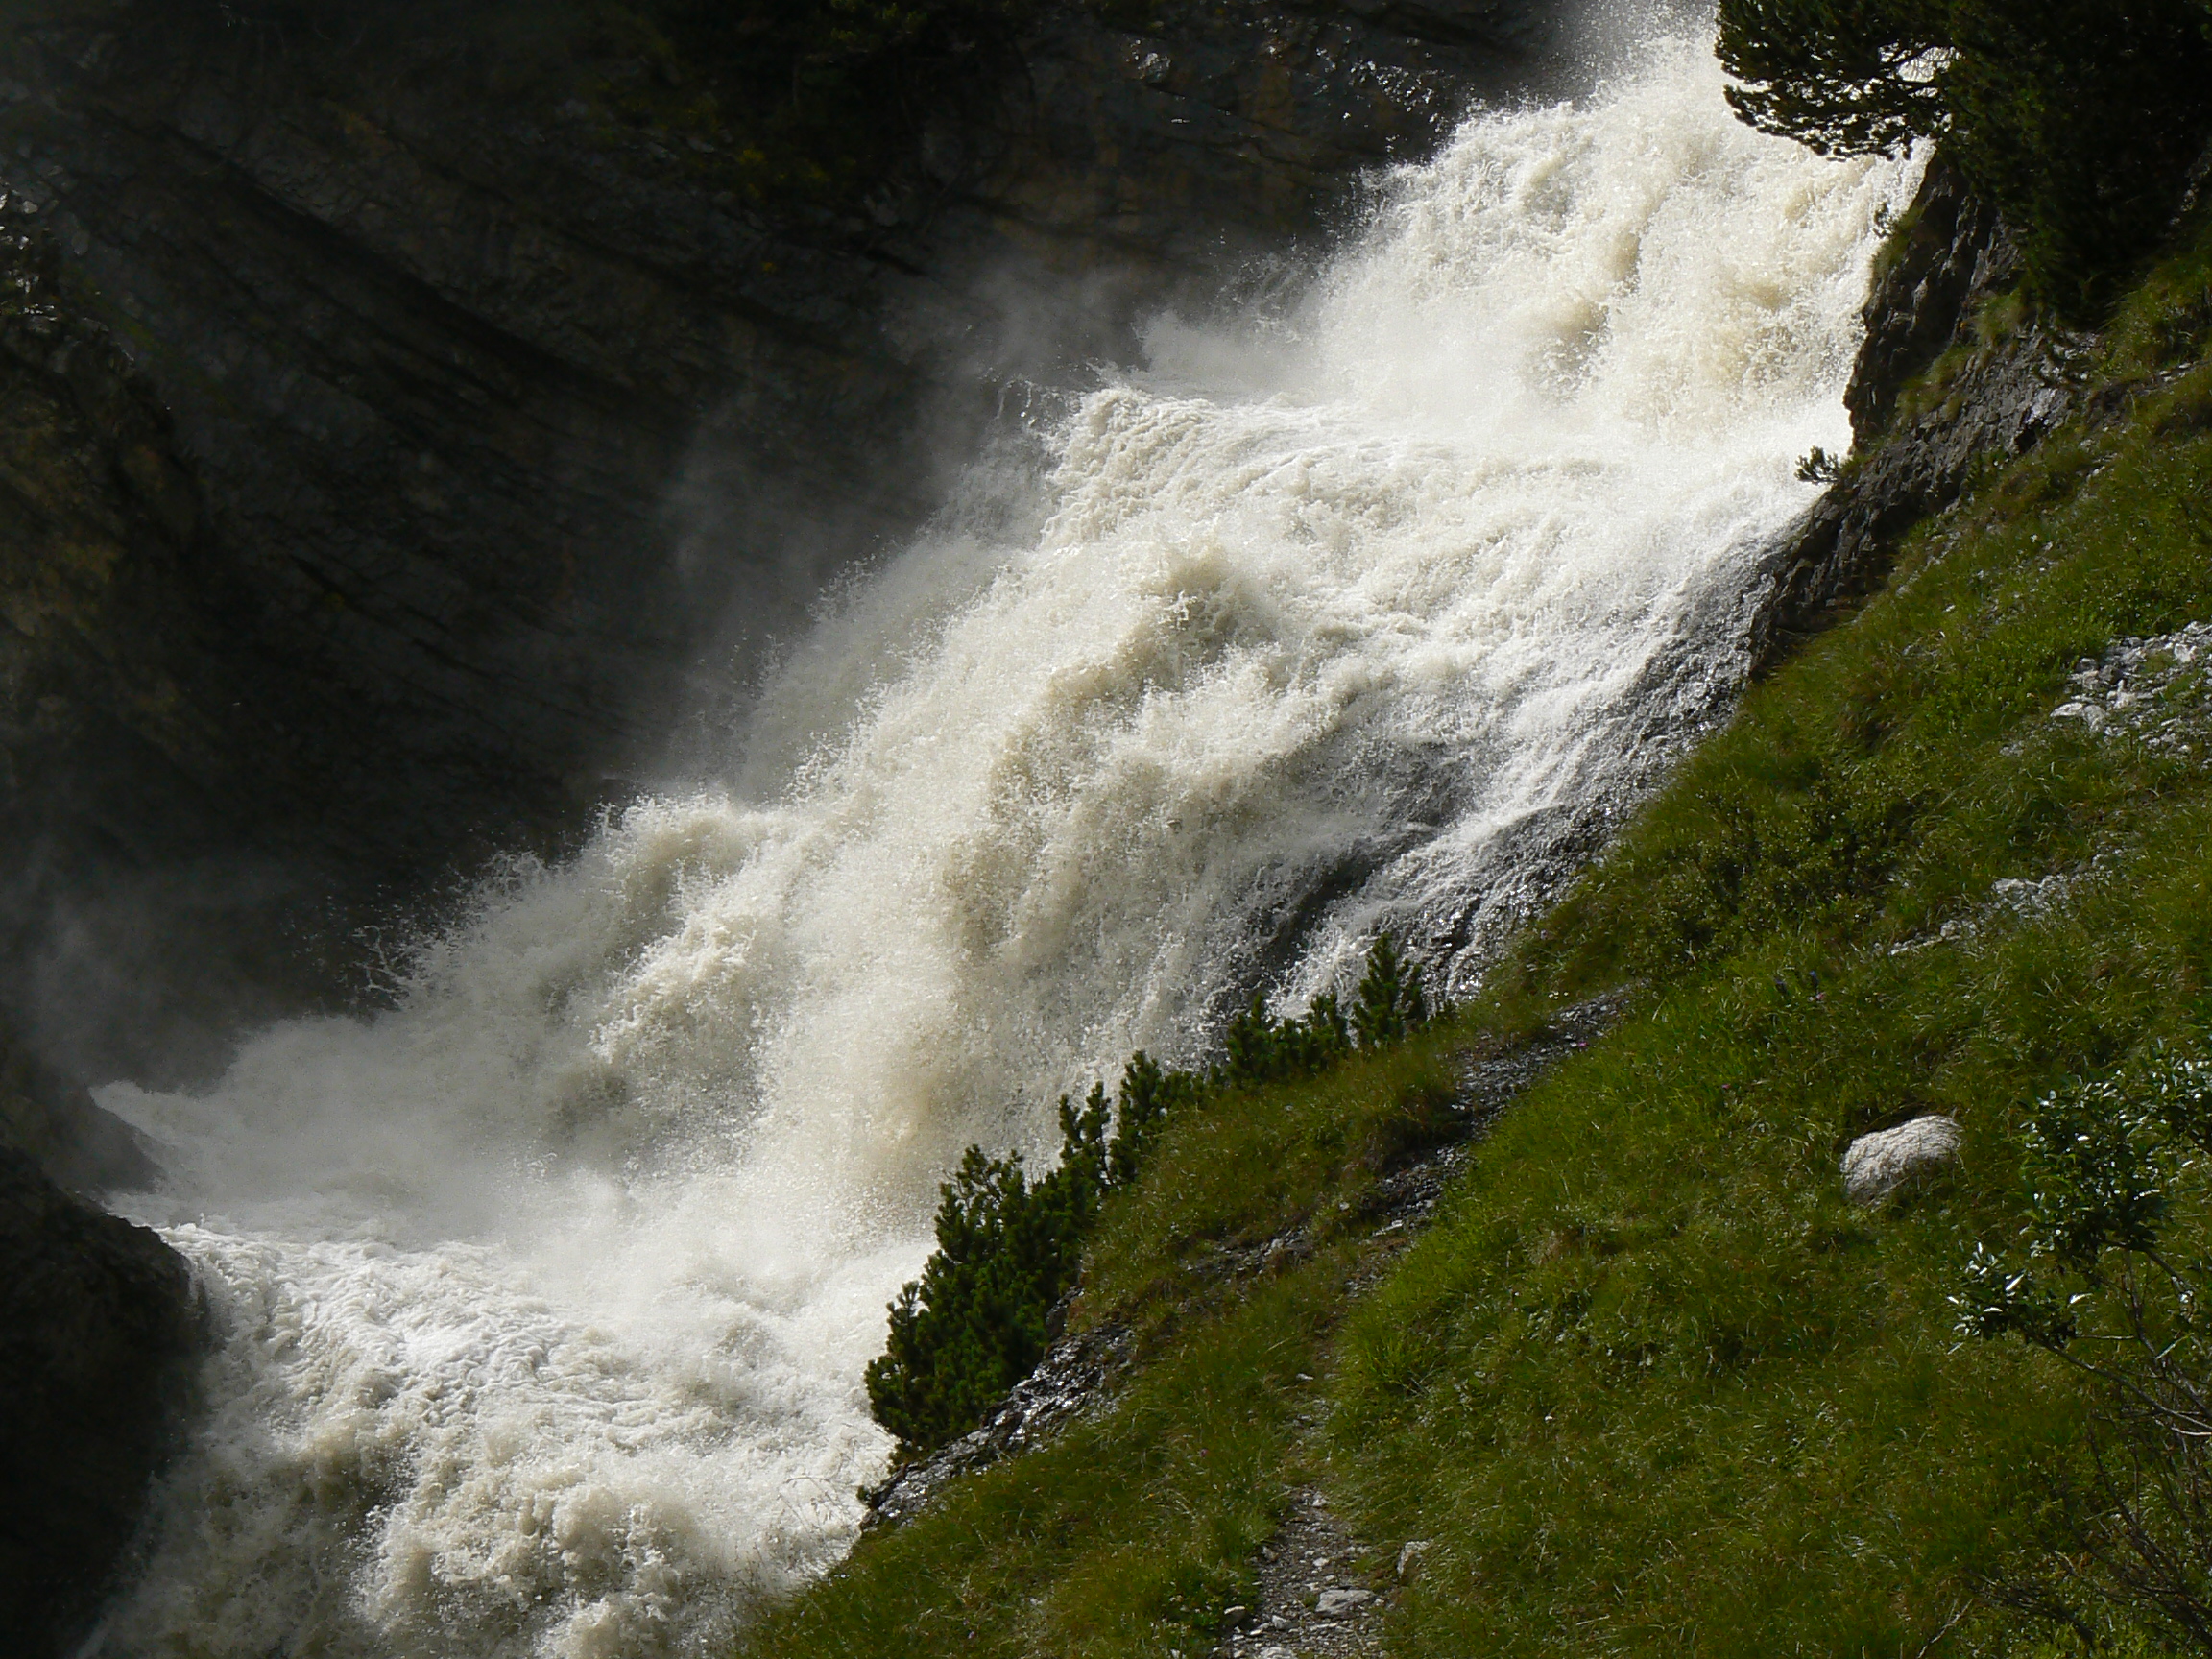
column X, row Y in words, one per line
column 1954, row 368
column 99, row 1326
column 396, row 441
column 56, row 1124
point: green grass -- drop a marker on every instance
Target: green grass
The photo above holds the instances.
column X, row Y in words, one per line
column 1129, row 1535
column 1124, row 1536
column 1650, row 1384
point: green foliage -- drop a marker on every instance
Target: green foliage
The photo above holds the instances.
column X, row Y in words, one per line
column 1389, row 1005
column 1260, row 1049
column 977, row 1320
column 1846, row 77
column 1132, row 1532
column 1819, row 468
column 2081, row 119
column 2106, row 1168
column 1649, row 1384
column 1125, row 1535
column 1148, row 1092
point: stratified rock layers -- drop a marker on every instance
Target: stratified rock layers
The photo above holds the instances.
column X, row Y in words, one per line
column 1989, row 384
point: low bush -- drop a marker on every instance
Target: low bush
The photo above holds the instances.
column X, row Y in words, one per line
column 1008, row 1248
column 2100, row 1280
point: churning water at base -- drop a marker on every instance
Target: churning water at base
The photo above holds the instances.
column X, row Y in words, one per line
column 548, row 1291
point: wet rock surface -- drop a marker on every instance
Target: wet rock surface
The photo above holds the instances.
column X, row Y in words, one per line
column 397, row 446
column 59, row 1126
column 99, row 1326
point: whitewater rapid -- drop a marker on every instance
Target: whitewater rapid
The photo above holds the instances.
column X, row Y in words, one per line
column 546, row 1292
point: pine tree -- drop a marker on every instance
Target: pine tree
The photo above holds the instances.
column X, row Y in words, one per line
column 1388, row 1006
column 1009, row 1248
column 2079, row 119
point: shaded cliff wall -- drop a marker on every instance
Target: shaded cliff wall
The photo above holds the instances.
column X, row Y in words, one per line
column 397, row 441
column 1953, row 370
column 99, row 1327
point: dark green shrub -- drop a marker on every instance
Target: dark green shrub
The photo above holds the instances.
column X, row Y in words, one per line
column 978, row 1319
column 1009, row 1248
column 976, row 1322
column 2080, row 119
column 1389, row 1005
column 2110, row 1285
column 1148, row 1092
column 1261, row 1049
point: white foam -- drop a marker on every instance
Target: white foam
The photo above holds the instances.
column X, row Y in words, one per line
column 549, row 1291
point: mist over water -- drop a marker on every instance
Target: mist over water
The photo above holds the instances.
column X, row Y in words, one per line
column 548, row 1291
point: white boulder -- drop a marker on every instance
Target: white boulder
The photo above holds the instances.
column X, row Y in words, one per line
column 1875, row 1165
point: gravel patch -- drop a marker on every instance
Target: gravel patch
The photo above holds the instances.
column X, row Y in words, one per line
column 2153, row 690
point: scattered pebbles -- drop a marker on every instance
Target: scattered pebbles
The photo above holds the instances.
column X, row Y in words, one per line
column 2155, row 691
column 1319, row 1592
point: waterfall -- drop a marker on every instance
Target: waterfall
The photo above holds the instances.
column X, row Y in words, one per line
column 547, row 1291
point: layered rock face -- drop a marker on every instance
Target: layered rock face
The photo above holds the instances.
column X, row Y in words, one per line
column 396, row 442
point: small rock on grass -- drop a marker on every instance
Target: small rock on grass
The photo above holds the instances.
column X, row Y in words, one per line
column 1878, row 1164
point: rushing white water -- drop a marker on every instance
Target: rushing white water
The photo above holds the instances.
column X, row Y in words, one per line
column 548, row 1291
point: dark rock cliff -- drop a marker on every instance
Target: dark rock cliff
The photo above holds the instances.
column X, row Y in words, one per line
column 395, row 443
column 1953, row 368
column 99, row 1327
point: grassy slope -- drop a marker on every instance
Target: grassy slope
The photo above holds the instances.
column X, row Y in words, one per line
column 1131, row 1534
column 1650, row 1385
